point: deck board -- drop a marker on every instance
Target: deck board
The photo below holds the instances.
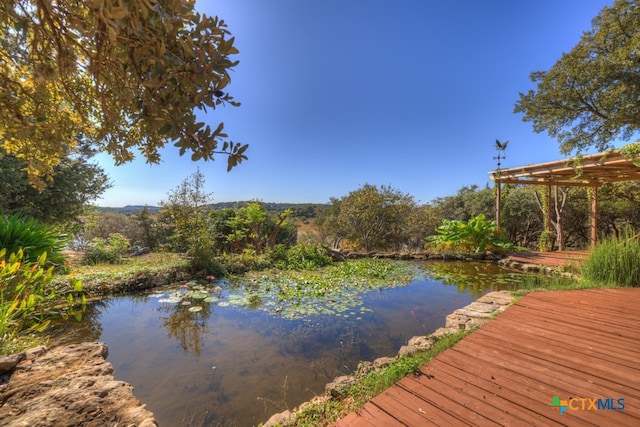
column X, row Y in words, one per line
column 571, row 344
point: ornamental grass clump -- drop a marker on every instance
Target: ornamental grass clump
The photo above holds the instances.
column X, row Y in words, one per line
column 615, row 261
column 19, row 232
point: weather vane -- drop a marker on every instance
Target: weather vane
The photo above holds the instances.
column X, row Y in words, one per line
column 500, row 146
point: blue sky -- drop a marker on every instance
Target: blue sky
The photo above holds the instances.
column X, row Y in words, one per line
column 339, row 93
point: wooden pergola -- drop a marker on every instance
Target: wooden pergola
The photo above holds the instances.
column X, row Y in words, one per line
column 591, row 170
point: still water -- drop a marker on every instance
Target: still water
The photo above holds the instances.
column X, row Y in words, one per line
column 231, row 365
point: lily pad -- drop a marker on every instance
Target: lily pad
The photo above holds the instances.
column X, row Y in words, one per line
column 211, row 299
column 199, row 295
column 195, row 309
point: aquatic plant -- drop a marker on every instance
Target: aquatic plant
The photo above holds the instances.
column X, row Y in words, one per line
column 334, row 290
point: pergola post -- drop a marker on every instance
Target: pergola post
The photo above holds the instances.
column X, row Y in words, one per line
column 547, row 214
column 498, row 198
column 594, row 217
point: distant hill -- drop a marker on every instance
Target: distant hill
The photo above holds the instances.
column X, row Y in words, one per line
column 129, row 209
column 308, row 210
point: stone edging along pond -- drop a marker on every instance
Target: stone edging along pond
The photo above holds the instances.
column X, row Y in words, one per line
column 465, row 318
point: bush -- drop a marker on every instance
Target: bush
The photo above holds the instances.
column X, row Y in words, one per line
column 202, row 258
column 108, row 250
column 19, row 232
column 300, row 257
column 614, row 261
column 477, row 235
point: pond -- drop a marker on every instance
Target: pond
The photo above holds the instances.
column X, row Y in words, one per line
column 213, row 362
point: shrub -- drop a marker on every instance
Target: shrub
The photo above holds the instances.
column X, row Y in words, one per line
column 301, row 257
column 202, row 258
column 108, row 250
column 477, row 235
column 19, row 232
column 614, row 261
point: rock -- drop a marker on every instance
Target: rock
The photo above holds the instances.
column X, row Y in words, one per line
column 364, row 368
column 32, row 353
column 479, row 311
column 141, row 251
column 381, row 362
column 8, row 363
column 340, row 386
column 443, row 331
column 280, row 419
column 72, row 386
column 421, row 343
column 407, row 350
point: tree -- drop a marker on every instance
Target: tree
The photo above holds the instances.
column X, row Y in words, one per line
column 590, row 96
column 186, row 210
column 117, row 75
column 371, row 218
column 468, row 203
column 62, row 200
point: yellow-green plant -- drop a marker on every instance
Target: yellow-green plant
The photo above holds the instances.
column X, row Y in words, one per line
column 477, row 235
column 23, row 288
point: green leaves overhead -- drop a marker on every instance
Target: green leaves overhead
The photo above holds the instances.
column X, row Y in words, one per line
column 590, row 96
column 122, row 75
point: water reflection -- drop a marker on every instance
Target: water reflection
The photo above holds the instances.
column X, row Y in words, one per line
column 230, row 365
column 187, row 327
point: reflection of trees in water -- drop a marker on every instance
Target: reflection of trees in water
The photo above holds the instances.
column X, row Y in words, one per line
column 185, row 326
column 473, row 277
column 83, row 324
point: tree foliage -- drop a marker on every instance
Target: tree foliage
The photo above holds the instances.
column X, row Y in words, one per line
column 62, row 200
column 119, row 75
column 371, row 218
column 590, row 96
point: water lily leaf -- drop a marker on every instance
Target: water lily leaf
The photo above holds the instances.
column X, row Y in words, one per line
column 199, row 295
column 211, row 299
column 224, row 304
column 195, row 308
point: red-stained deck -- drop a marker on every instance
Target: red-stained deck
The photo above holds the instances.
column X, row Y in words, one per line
column 552, row 259
column 582, row 344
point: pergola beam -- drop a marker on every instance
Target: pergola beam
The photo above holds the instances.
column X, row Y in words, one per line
column 592, row 170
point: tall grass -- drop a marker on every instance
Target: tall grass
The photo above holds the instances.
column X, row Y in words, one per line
column 615, row 261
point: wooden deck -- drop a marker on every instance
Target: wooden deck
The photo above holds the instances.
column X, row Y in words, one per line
column 580, row 346
column 553, row 259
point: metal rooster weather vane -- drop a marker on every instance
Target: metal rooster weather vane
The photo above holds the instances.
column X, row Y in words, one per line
column 500, row 146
